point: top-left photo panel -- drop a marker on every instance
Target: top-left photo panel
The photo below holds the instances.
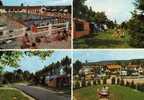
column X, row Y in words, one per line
column 35, row 24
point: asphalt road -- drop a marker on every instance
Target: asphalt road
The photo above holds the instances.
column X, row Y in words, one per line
column 42, row 94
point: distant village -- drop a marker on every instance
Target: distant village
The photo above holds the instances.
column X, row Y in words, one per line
column 105, row 71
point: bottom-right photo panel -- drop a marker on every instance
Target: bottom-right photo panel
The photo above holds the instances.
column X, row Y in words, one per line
column 108, row 74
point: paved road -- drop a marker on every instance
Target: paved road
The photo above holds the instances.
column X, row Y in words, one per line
column 42, row 94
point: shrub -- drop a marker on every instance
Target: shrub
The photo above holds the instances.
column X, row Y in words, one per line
column 95, row 82
column 83, row 83
column 118, row 81
column 133, row 85
column 99, row 81
column 122, row 82
column 127, row 84
column 89, row 83
column 113, row 80
column 77, row 85
column 104, row 81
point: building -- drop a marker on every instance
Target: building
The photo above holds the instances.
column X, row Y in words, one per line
column 114, row 69
column 58, row 81
column 133, row 69
column 87, row 73
column 81, row 28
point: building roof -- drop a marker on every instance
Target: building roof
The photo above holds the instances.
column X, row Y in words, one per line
column 113, row 66
column 132, row 66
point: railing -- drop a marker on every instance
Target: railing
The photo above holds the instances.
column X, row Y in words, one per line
column 55, row 27
column 11, row 34
column 15, row 33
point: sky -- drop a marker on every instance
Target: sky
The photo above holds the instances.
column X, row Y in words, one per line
column 119, row 10
column 38, row 2
column 102, row 55
column 34, row 64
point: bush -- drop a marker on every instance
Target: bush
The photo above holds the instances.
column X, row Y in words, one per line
column 140, row 87
column 118, row 81
column 99, row 81
column 104, row 81
column 113, row 80
column 89, row 83
column 133, row 85
column 127, row 84
column 122, row 82
column 77, row 85
column 95, row 82
column 83, row 83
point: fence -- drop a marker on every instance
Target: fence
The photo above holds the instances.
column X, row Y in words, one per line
column 15, row 33
column 7, row 34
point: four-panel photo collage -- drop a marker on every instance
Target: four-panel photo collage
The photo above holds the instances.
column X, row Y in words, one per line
column 71, row 50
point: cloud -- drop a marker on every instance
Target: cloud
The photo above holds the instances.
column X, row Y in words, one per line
column 119, row 10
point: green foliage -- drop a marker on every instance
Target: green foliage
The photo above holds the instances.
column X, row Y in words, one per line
column 127, row 84
column 122, row 82
column 116, row 93
column 81, row 11
column 10, row 94
column 105, row 81
column 113, row 80
column 132, row 85
column 136, row 25
column 118, row 81
column 77, row 66
column 12, row 58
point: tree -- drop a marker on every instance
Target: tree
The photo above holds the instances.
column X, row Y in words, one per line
column 113, row 80
column 22, row 4
column 66, row 63
column 79, row 8
column 8, row 77
column 136, row 25
column 12, row 58
column 26, row 75
column 1, row 4
column 77, row 66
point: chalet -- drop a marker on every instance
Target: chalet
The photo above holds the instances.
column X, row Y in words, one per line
column 87, row 72
column 114, row 68
column 133, row 69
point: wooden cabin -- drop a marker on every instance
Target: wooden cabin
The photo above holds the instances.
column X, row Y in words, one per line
column 81, row 28
column 56, row 81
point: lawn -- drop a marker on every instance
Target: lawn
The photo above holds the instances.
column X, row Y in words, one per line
column 11, row 94
column 116, row 93
column 102, row 40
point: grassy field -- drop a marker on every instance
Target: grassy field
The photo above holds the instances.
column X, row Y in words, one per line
column 102, row 40
column 11, row 94
column 116, row 93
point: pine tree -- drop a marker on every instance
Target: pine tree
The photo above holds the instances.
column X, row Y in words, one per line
column 136, row 25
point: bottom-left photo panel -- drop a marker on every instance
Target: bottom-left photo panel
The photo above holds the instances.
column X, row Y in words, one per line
column 35, row 75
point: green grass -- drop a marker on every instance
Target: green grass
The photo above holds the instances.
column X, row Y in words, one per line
column 102, row 40
column 116, row 93
column 10, row 94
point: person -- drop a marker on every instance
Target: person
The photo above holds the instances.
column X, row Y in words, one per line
column 26, row 41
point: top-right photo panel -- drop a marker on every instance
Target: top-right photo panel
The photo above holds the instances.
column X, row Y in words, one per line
column 108, row 24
